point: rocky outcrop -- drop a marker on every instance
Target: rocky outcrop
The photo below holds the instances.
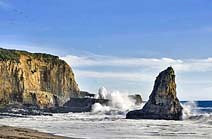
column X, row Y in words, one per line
column 77, row 105
column 137, row 98
column 20, row 110
column 84, row 94
column 163, row 102
column 35, row 79
column 85, row 102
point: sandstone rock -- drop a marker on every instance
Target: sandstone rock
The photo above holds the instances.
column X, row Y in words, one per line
column 34, row 78
column 163, row 102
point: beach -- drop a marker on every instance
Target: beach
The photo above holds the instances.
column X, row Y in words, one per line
column 8, row 132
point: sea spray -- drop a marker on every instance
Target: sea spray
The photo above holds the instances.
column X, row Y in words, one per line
column 103, row 93
column 98, row 108
column 189, row 109
column 119, row 102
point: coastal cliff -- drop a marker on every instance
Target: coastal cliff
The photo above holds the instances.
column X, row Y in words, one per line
column 35, row 79
column 163, row 102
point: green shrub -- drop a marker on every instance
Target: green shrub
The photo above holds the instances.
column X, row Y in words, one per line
column 6, row 54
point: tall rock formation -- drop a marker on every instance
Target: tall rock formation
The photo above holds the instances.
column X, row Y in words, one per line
column 163, row 102
column 35, row 79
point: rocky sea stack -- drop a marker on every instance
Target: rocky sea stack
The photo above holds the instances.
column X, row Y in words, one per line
column 35, row 79
column 163, row 102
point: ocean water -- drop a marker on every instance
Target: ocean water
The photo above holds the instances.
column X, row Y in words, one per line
column 109, row 122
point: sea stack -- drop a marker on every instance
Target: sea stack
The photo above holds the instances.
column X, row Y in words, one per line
column 163, row 102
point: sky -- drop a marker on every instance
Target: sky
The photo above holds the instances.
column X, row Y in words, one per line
column 119, row 44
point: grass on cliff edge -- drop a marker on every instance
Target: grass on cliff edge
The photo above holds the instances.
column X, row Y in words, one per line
column 6, row 54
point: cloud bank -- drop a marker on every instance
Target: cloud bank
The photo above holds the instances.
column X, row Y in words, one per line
column 180, row 65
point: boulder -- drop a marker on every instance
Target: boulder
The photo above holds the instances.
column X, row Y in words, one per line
column 163, row 102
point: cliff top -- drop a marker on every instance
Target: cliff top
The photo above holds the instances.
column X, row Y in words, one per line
column 10, row 54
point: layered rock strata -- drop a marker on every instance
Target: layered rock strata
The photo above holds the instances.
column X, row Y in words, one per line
column 35, row 79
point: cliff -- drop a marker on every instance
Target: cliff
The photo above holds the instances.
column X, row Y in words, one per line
column 35, row 79
column 163, row 102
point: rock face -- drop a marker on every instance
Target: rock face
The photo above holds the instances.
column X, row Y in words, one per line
column 35, row 79
column 163, row 102
column 79, row 105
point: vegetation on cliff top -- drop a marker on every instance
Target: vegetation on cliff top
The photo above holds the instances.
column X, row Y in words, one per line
column 6, row 54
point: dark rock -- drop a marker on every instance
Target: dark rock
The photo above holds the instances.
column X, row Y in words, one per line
column 163, row 102
column 86, row 94
column 20, row 110
column 137, row 98
column 77, row 105
column 83, row 102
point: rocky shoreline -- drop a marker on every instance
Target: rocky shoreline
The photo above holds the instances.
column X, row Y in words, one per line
column 43, row 84
column 7, row 132
column 80, row 104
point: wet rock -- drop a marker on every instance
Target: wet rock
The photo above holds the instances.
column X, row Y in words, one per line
column 20, row 110
column 77, row 105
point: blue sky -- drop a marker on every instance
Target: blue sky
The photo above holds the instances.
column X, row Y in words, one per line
column 119, row 44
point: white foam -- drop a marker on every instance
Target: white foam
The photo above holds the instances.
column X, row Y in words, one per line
column 189, row 109
column 194, row 113
column 120, row 102
column 98, row 108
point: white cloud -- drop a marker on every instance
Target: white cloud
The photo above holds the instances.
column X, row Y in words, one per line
column 187, row 65
column 114, row 75
column 142, row 72
column 139, row 70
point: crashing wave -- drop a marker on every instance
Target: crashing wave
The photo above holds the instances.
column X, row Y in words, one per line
column 192, row 112
column 120, row 103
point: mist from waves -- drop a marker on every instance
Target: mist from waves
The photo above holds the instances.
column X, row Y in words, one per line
column 192, row 111
column 119, row 103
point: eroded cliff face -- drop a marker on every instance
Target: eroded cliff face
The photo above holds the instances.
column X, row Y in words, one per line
column 35, row 79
